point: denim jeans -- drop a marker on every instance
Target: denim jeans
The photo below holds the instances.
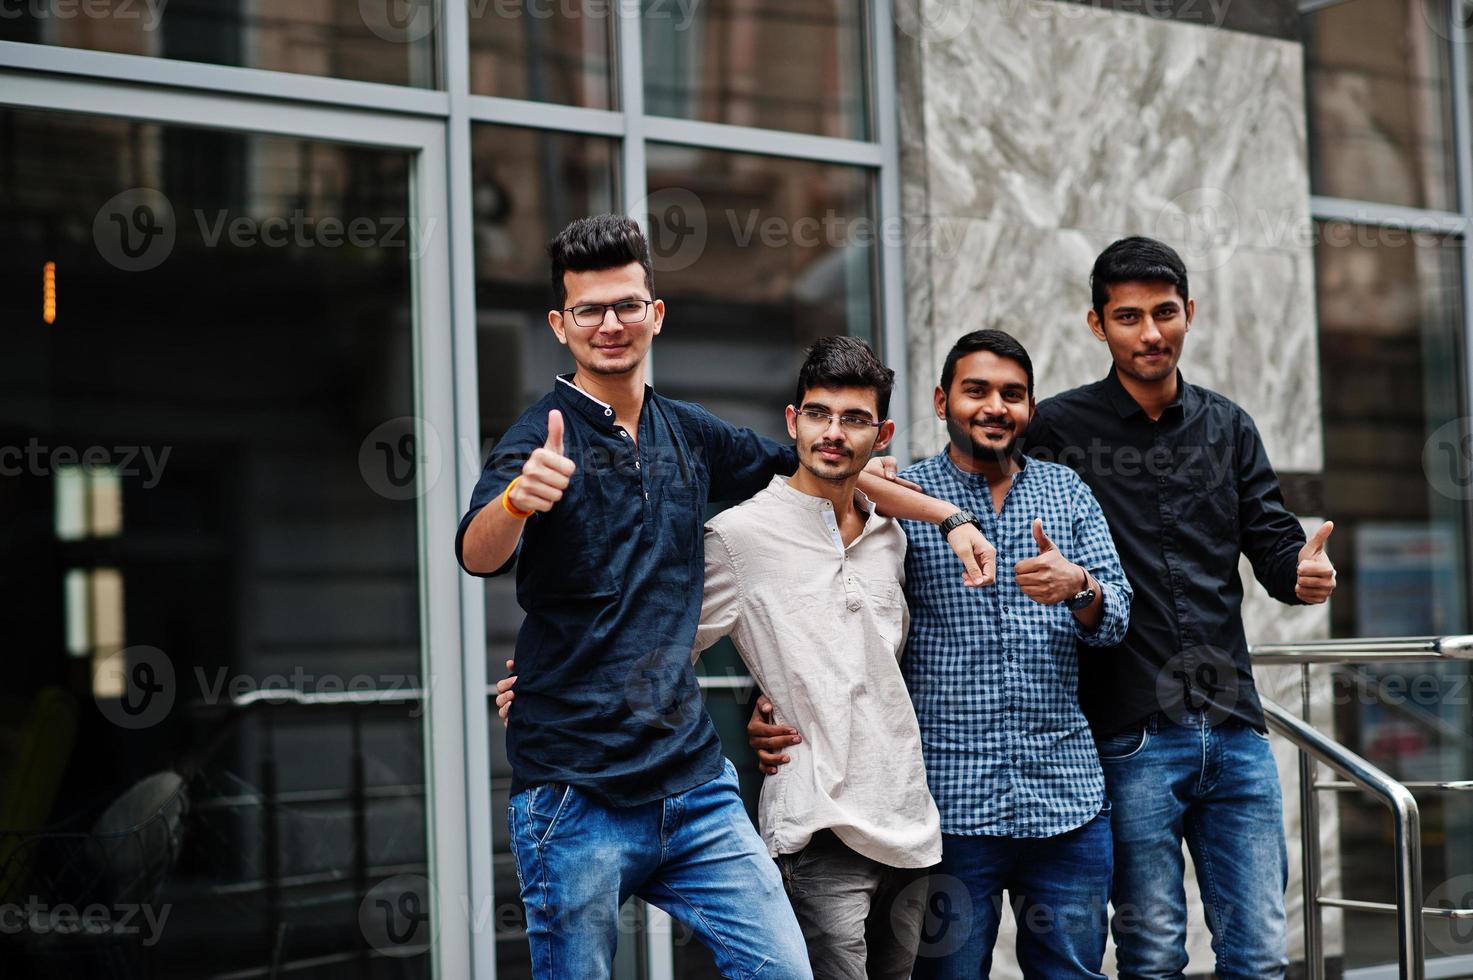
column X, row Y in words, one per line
column 1059, row 887
column 694, row 854
column 1219, row 789
column 861, row 918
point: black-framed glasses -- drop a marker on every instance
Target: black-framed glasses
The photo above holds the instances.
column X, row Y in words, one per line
column 626, row 311
column 849, row 423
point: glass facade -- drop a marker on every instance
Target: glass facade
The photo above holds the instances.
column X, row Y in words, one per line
column 250, row 415
column 1388, row 160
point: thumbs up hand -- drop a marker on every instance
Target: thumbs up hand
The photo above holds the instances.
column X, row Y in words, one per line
column 1049, row 577
column 546, row 473
column 1316, row 578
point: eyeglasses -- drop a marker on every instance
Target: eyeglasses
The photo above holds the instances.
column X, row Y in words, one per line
column 849, row 423
column 626, row 310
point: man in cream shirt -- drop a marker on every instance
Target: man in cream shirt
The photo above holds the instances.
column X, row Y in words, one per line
column 807, row 581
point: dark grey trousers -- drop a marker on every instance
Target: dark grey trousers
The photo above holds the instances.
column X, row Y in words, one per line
column 861, row 919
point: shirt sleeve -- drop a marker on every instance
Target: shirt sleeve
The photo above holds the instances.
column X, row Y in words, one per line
column 1270, row 536
column 722, row 600
column 502, row 466
column 740, row 461
column 1096, row 553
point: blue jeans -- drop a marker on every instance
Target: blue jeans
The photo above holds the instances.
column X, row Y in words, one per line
column 694, row 854
column 1219, row 789
column 1059, row 887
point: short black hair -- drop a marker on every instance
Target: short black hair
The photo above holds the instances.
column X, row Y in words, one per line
column 599, row 241
column 999, row 342
column 1135, row 259
column 845, row 362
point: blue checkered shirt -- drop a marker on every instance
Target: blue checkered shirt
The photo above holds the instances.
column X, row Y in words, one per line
column 995, row 675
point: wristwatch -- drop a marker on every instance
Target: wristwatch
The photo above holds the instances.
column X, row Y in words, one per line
column 1082, row 598
column 957, row 520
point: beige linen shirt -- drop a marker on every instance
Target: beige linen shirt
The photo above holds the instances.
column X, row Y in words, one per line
column 822, row 627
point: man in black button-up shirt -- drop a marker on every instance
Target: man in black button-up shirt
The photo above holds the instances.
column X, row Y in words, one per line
column 1183, row 479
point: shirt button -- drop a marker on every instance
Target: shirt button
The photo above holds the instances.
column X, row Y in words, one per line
column 608, row 412
column 636, row 464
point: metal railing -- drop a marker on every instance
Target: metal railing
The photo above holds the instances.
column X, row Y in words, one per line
column 1358, row 774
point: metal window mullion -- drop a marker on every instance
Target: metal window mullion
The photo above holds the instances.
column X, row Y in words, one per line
column 1387, row 215
column 143, row 70
column 470, row 597
column 769, row 142
column 892, row 340
column 545, row 115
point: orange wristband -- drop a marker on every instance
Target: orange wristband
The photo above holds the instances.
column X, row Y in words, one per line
column 520, row 515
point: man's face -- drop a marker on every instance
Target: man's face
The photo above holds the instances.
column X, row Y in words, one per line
column 1144, row 325
column 612, row 346
column 988, row 407
column 829, row 448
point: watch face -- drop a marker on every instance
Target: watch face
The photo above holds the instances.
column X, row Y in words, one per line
column 1081, row 599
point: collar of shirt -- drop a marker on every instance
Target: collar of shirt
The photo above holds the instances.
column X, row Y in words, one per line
column 823, row 507
column 575, row 399
column 1127, row 406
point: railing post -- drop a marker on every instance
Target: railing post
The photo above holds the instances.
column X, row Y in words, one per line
column 1309, row 857
column 1408, row 823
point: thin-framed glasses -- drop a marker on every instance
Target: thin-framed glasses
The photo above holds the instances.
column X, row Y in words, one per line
column 626, row 311
column 849, row 423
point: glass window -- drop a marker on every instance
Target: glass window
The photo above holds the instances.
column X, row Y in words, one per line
column 797, row 65
column 544, row 51
column 1398, row 485
column 528, row 185
column 209, row 484
column 1380, row 116
column 388, row 41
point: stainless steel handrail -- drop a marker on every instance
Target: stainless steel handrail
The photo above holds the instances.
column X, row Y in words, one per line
column 1413, row 648
column 1407, row 823
column 1360, row 774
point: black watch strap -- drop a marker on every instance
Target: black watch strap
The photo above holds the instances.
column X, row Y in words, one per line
column 957, row 520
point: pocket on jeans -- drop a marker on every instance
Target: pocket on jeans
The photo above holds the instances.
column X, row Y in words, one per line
column 1122, row 745
column 546, row 805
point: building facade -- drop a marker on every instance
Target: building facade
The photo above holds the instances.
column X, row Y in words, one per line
column 274, row 281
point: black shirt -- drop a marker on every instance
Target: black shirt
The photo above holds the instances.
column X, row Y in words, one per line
column 611, row 581
column 1183, row 495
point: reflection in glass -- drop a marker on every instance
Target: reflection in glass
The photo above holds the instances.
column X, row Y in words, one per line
column 528, row 185
column 543, row 51
column 797, row 65
column 1397, row 486
column 197, row 509
column 1380, row 119
column 388, row 41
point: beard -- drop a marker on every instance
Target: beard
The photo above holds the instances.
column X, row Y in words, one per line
column 961, row 435
column 834, row 472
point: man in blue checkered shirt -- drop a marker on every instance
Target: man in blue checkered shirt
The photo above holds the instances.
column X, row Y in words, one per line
column 994, row 675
